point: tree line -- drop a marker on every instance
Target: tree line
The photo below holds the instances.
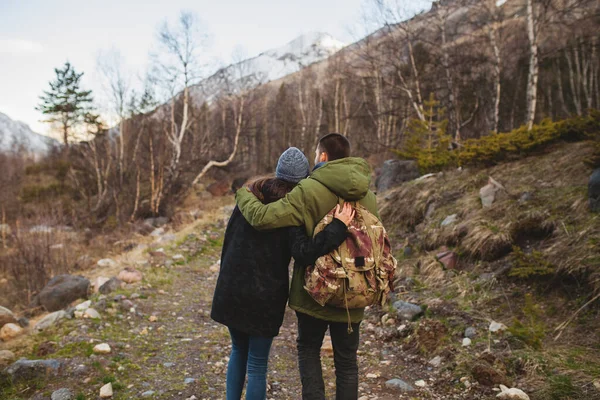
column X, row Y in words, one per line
column 464, row 69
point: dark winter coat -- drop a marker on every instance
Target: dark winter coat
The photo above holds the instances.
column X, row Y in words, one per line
column 253, row 284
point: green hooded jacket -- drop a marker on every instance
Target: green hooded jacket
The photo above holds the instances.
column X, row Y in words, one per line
column 344, row 179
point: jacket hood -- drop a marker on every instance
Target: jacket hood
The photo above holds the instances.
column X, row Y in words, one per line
column 349, row 178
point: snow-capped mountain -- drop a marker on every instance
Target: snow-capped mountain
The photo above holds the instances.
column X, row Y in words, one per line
column 18, row 133
column 270, row 65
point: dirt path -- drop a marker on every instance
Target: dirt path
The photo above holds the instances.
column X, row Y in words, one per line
column 164, row 344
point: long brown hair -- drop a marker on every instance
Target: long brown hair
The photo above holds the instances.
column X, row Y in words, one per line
column 269, row 189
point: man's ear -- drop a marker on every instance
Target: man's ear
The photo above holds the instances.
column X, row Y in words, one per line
column 323, row 157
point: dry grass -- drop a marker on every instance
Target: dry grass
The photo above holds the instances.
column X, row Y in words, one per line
column 555, row 220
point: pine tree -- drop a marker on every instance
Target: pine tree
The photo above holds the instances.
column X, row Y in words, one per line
column 426, row 140
column 67, row 104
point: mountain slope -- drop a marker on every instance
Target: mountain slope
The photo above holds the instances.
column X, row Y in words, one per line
column 269, row 65
column 18, row 133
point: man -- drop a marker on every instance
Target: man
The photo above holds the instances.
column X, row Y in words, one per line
column 336, row 176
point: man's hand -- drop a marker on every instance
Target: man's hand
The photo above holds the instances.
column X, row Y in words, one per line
column 344, row 213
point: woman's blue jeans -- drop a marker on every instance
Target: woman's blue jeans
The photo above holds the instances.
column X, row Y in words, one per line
column 251, row 354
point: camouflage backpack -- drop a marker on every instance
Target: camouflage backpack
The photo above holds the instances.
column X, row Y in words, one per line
column 360, row 272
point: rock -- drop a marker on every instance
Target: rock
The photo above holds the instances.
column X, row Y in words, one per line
column 470, row 332
column 168, row 364
column 450, row 220
column 490, row 192
column 435, row 361
column 596, row 384
column 99, row 282
column 91, row 313
column 106, row 263
column 487, row 375
column 407, row 311
column 111, row 285
column 187, row 381
column 399, row 384
column 102, row 348
column 511, row 394
column 219, row 189
column 525, row 197
column 63, row 290
column 396, row 172
column 407, row 251
column 62, row 394
column 5, row 230
column 466, row 342
column 50, row 320
column 153, row 318
column 130, row 275
column 127, row 305
column 83, row 306
column 594, row 191
column 6, row 316
column 23, row 322
column 178, row 257
column 106, row 391
column 448, row 259
column 6, row 357
column 148, row 393
column 497, row 327
column 10, row 331
column 158, row 232
column 420, row 383
column 372, row 376
column 32, row 370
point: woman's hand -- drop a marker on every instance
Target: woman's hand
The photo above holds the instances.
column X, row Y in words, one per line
column 344, row 213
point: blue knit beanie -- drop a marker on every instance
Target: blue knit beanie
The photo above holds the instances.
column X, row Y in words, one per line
column 292, row 166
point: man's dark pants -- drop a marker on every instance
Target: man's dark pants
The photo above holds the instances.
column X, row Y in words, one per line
column 311, row 332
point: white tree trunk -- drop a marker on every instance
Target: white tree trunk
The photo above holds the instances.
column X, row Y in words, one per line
column 532, row 78
column 238, row 130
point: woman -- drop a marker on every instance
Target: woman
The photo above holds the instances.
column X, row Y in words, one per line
column 252, row 289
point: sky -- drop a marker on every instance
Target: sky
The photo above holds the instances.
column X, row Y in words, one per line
column 37, row 36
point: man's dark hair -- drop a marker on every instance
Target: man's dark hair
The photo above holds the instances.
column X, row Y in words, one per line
column 335, row 145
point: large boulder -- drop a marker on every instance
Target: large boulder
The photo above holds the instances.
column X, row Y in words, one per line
column 6, row 317
column 32, row 370
column 62, row 290
column 396, row 172
column 594, row 191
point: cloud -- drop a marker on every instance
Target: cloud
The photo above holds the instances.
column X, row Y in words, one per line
column 13, row 46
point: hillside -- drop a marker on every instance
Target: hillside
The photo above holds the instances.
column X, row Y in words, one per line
column 16, row 133
column 483, row 313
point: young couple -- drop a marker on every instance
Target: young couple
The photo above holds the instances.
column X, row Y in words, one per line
column 274, row 221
